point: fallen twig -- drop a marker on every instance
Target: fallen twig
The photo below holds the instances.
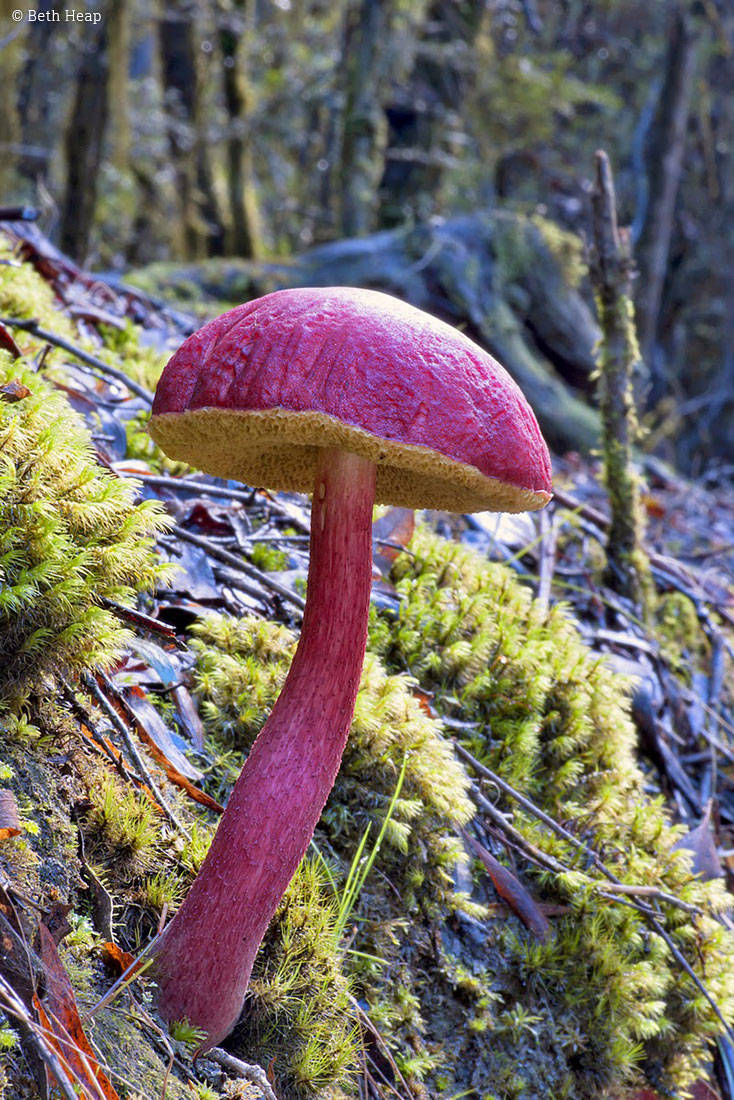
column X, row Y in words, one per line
column 78, row 353
column 255, row 1074
column 147, row 622
column 238, row 563
column 104, row 702
column 36, row 1035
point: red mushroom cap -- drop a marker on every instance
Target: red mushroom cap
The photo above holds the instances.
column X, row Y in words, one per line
column 256, row 392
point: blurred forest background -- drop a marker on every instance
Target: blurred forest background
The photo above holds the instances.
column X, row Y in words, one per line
column 185, row 132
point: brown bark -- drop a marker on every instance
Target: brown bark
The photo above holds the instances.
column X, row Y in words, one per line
column 10, row 59
column 366, row 24
column 83, row 143
column 243, row 210
column 202, row 232
column 419, row 122
column 35, row 83
column 664, row 170
column 119, row 51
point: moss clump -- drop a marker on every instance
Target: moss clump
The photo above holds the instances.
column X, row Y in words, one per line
column 71, row 537
column 24, row 295
column 122, row 828
column 298, row 1014
column 411, row 887
column 240, row 669
column 567, row 249
column 677, row 627
column 267, row 557
column 604, row 997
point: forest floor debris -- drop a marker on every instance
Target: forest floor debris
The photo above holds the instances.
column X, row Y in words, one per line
column 683, row 695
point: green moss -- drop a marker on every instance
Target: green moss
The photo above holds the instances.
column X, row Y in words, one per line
column 677, row 627
column 268, row 557
column 567, row 249
column 44, row 861
column 579, row 1014
column 240, row 669
column 121, row 828
column 137, row 1070
column 71, row 537
column 299, row 1014
column 26, row 296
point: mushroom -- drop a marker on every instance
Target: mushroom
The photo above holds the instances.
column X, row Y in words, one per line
column 358, row 397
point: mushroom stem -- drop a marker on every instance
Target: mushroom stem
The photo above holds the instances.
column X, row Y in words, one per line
column 206, row 953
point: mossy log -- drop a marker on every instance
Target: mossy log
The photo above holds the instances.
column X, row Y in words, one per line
column 506, row 279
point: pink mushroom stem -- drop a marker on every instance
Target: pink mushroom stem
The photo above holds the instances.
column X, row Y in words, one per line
column 206, row 953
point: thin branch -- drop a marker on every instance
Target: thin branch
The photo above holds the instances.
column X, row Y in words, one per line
column 255, row 1074
column 78, row 353
column 145, row 622
column 237, row 563
column 92, row 685
column 36, row 1035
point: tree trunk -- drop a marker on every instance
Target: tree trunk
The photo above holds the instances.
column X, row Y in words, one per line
column 201, row 230
column 35, row 84
column 11, row 53
column 366, row 26
column 245, row 221
column 119, row 50
column 83, row 143
column 417, row 143
column 664, row 169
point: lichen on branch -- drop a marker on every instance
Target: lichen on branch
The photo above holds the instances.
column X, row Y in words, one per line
column 617, row 355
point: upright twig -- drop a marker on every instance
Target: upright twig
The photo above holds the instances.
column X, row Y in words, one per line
column 611, row 265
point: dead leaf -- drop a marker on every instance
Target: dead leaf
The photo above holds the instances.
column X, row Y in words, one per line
column 103, row 906
column 390, row 535
column 189, row 716
column 116, row 959
column 60, row 1019
column 702, row 843
column 165, row 664
column 13, row 391
column 424, row 700
column 511, row 890
column 154, row 733
column 208, row 519
column 56, row 922
column 9, row 819
column 7, row 341
column 18, row 962
column 653, row 505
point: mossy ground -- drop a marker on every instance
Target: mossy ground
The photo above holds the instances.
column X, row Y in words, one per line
column 465, row 996
column 487, row 1006
column 604, row 995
